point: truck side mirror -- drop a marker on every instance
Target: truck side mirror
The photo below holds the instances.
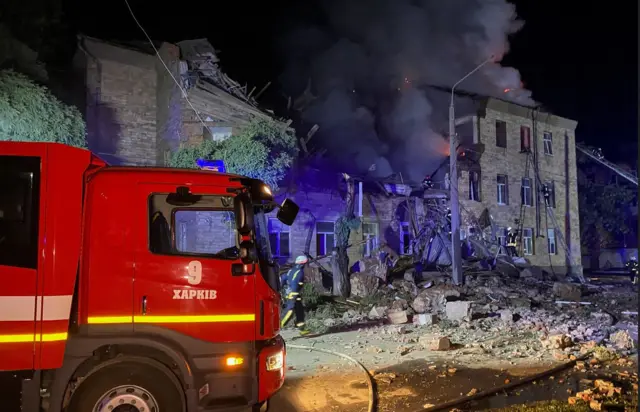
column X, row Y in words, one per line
column 243, row 213
column 288, row 212
column 248, row 253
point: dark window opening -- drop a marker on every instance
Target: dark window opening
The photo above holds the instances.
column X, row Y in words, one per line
column 525, row 139
column 501, row 134
column 474, row 186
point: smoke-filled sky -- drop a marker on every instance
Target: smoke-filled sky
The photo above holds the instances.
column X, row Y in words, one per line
column 368, row 64
column 559, row 50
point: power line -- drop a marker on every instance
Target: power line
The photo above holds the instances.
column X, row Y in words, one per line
column 184, row 92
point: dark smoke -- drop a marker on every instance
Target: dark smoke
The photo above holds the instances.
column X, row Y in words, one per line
column 370, row 64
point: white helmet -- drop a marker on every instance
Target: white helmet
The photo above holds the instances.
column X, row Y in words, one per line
column 509, row 228
column 301, row 260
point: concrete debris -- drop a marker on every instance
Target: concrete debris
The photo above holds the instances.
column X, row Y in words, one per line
column 532, row 272
column 425, row 319
column 458, row 310
column 557, row 342
column 603, row 318
column 399, row 317
column 622, row 340
column 363, row 285
column 378, row 312
column 437, row 344
column 506, row 315
column 399, row 304
column 567, row 291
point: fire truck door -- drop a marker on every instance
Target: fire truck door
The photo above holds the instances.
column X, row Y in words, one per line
column 20, row 220
column 185, row 257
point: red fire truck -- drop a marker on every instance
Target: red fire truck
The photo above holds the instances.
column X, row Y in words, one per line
column 137, row 289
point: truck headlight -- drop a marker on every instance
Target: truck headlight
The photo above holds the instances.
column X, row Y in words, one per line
column 275, row 361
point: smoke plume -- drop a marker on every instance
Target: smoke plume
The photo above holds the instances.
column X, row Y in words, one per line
column 370, row 65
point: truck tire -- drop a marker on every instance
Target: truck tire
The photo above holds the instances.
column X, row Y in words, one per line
column 143, row 387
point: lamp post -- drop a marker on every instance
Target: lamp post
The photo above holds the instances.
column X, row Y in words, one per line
column 456, row 259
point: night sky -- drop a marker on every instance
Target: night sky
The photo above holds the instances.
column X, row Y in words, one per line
column 580, row 59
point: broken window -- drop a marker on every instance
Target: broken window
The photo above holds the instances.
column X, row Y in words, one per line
column 503, row 190
column 551, row 241
column 525, row 139
column 279, row 238
column 526, row 195
column 217, row 133
column 527, row 240
column 405, row 238
column 325, row 238
column 474, row 186
column 501, row 134
column 547, row 140
column 370, row 238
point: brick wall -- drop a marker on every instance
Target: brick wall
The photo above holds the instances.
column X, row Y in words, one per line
column 509, row 161
column 204, row 232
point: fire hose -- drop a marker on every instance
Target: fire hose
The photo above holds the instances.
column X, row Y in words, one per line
column 372, row 402
column 509, row 386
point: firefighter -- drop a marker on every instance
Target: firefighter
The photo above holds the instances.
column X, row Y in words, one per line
column 427, row 183
column 546, row 193
column 293, row 281
column 632, row 267
column 511, row 242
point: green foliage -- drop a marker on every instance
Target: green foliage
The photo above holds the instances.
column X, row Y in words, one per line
column 602, row 210
column 30, row 113
column 264, row 149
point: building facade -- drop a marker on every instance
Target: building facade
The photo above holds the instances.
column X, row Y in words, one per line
column 134, row 105
column 513, row 151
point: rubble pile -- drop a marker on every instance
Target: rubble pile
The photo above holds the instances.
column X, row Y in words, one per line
column 493, row 313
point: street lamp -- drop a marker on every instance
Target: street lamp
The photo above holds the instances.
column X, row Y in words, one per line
column 456, row 259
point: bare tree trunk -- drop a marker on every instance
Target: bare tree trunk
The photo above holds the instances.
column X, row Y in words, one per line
column 310, row 230
column 339, row 258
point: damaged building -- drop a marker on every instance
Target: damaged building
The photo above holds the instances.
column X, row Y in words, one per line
column 135, row 111
column 509, row 153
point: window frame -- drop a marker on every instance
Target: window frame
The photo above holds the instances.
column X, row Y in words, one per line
column 501, row 238
column 551, row 234
column 477, row 186
column 333, row 233
column 276, row 253
column 505, row 201
column 552, row 194
column 208, row 133
column 172, row 226
column 370, row 244
column 499, row 134
column 523, row 191
column 545, row 141
column 524, row 241
column 25, row 255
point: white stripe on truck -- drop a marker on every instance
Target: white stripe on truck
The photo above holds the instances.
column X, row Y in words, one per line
column 23, row 308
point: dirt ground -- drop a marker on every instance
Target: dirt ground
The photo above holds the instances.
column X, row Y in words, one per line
column 410, row 378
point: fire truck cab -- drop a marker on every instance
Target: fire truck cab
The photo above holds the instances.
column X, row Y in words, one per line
column 142, row 287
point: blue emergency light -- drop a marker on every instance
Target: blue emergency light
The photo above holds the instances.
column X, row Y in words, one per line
column 215, row 165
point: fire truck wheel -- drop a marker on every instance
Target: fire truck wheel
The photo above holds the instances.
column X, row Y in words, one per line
column 141, row 387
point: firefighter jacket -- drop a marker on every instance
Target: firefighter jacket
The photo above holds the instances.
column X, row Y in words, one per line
column 632, row 266
column 293, row 281
column 511, row 239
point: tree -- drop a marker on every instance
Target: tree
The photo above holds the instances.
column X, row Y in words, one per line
column 264, row 149
column 602, row 213
column 343, row 227
column 29, row 112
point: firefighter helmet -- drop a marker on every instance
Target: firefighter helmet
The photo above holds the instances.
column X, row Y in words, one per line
column 301, row 260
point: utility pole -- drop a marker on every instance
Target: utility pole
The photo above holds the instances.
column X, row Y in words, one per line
column 456, row 258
